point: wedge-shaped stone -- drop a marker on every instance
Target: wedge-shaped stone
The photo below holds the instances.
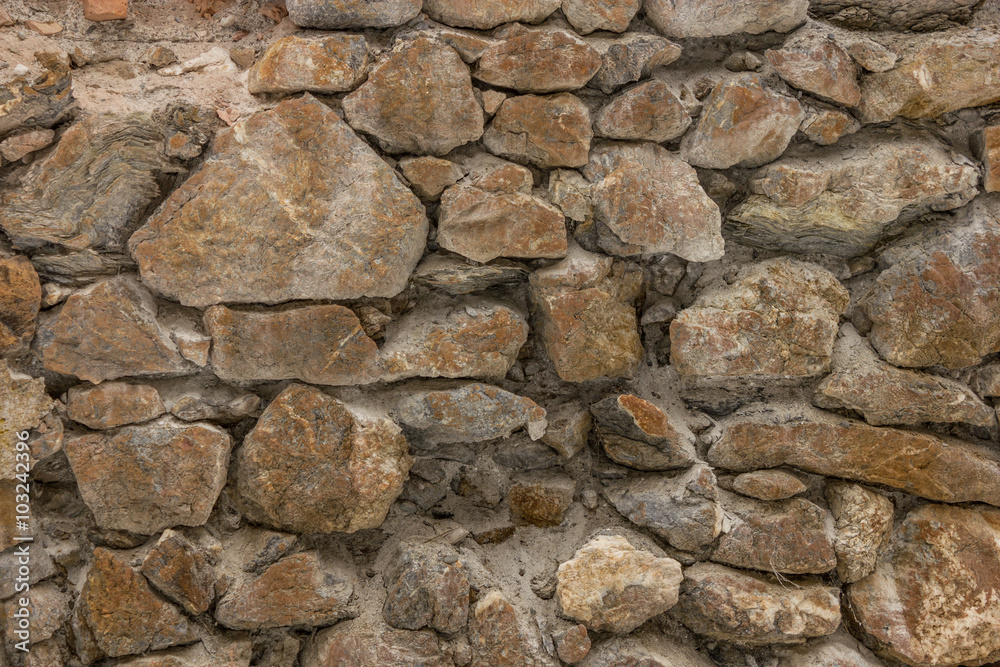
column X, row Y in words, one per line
column 845, row 199
column 500, row 636
column 181, row 571
column 779, row 318
column 629, row 58
column 539, row 61
column 233, row 651
column 916, row 15
column 471, row 412
column 294, row 64
column 819, row 66
column 340, row 14
column 424, row 589
column 486, row 14
column 20, row 299
column 549, row 131
column 457, row 275
column 714, row 18
column 826, row 444
column 40, row 103
column 650, row 111
column 289, row 205
column 636, row 433
column 317, row 344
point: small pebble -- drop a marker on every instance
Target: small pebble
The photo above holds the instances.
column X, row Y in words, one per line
column 450, row 559
column 227, row 21
column 21, row 70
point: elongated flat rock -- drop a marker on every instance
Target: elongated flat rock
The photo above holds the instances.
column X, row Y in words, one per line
column 712, row 18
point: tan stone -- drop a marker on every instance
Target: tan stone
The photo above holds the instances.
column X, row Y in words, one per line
column 541, row 501
column 779, row 318
column 590, row 15
column 987, row 146
column 430, row 176
column 470, row 412
column 712, row 18
column 916, row 15
column 230, row 233
column 934, row 598
column 48, row 609
column 827, row 126
column 651, row 647
column 636, row 433
column 568, row 428
column 457, row 275
column 650, row 111
column 610, row 586
column 354, row 644
column 571, row 193
column 549, row 131
column 470, row 45
column 112, row 404
column 826, row 444
column 863, row 524
column 38, row 103
column 837, row 650
column 818, row 66
column 486, row 14
column 768, row 484
column 539, row 61
column 341, row 14
column 629, row 58
column 326, row 65
column 115, row 471
column 226, row 651
column 16, row 147
column 498, row 636
column 20, row 299
column 23, row 406
column 105, row 10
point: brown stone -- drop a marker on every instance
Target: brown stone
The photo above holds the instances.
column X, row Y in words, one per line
column 498, row 636
column 818, row 66
column 23, row 406
column 768, row 484
column 420, row 100
column 294, row 64
column 549, row 131
column 938, row 299
column 570, row 191
column 40, row 103
column 884, row 394
column 196, row 400
column 298, row 591
column 610, row 586
column 487, row 14
column 779, row 318
column 185, row 463
column 539, row 61
column 430, row 176
column 354, row 644
column 941, row 73
column 228, row 234
column 934, row 598
column 312, row 464
column 317, row 344
column 590, row 15
column 573, row 645
column 457, row 275
column 827, row 126
column 743, row 123
column 720, row 603
column 427, row 587
column 629, row 58
column 541, row 501
column 650, row 647
column 105, row 10
column 351, row 14
column 819, row 442
column 20, row 299
column 16, row 147
column 118, row 614
column 44, row 28
column 863, row 524
column 470, row 45
column 650, row 111
column 987, row 146
column 48, row 610
column 179, row 570
column 916, row 15
column 636, row 433
column 568, row 428
column 112, row 404
column 713, row 18
column 651, row 199
column 837, row 650
column 224, row 651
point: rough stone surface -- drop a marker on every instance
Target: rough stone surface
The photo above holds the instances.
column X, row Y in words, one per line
column 186, row 462
column 987, row 147
column 610, row 586
column 573, row 645
column 112, row 404
column 651, row 199
column 864, row 522
column 424, row 590
column 457, row 275
column 630, row 58
column 351, row 644
column 295, row 64
column 636, row 433
column 818, row 66
column 768, row 484
column 743, row 123
column 23, row 406
column 420, row 100
column 780, row 318
column 497, row 635
column 539, row 61
column 430, row 176
column 39, row 103
column 837, row 650
column 312, row 464
column 568, row 428
column 341, row 14
column 486, row 14
column 20, row 299
column 827, row 126
column 650, row 111
column 547, row 131
column 711, row 18
column 932, row 599
column 228, row 235
column 590, row 15
column 649, row 648
column 718, row 602
column 920, row 15
column 541, row 502
column 178, row 569
column 233, row 651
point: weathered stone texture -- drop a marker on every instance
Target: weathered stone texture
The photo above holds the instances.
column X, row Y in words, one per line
column 650, row 111
column 549, row 131
column 818, row 66
column 987, row 146
column 497, row 635
column 539, row 61
column 43, row 102
column 918, row 15
column 541, row 502
column 20, row 299
column 711, row 18
column 179, row 570
column 636, row 433
column 23, row 406
column 630, row 58
column 351, row 644
column 424, row 590
column 112, row 404
column 768, row 484
column 341, row 14
column 864, row 521
column 486, row 14
column 590, row 15
column 471, row 412
column 295, row 64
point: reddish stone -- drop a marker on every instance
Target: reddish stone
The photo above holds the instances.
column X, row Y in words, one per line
column 541, row 502
column 550, row 131
column 539, row 61
column 20, row 299
column 818, row 66
column 112, row 404
column 180, row 570
column 105, row 10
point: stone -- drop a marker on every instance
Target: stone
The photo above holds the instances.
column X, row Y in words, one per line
column 317, row 344
column 539, row 61
column 41, row 103
column 226, row 651
column 846, row 199
column 683, row 510
column 112, row 404
column 470, row 45
column 228, row 234
column 294, row 64
column 827, row 126
column 568, row 428
column 351, row 14
column 720, row 603
column 419, row 100
column 492, row 99
column 427, row 587
column 863, row 526
column 867, row 53
column 42, row 567
column 585, row 315
column 570, row 191
column 780, row 318
column 837, row 650
column 118, row 614
column 651, row 199
column 298, row 590
column 573, row 645
column 645, row 648
column 986, row 145
column 48, row 608
column 20, row 300
column 541, row 501
column 921, row 15
column 106, row 331
column 940, row 74
column 105, row 10
column 636, row 433
column 115, row 471
column 313, row 464
column 15, row 147
column 23, row 406
column 768, row 484
column 937, row 301
column 179, row 570
column 788, row 536
column 549, row 131
column 430, row 176
column 197, row 401
column 650, row 111
column 477, row 339
column 715, row 18
column 352, row 644
column 456, row 275
column 487, row 14
column 470, row 412
column 825, row 444
column 743, row 123
column 818, row 66
column 484, row 225
column 497, row 634
column 610, row 586
column 933, row 598
column 630, row 58
column 586, row 16
column 886, row 395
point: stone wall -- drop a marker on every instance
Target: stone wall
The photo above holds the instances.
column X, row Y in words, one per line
column 501, row 333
